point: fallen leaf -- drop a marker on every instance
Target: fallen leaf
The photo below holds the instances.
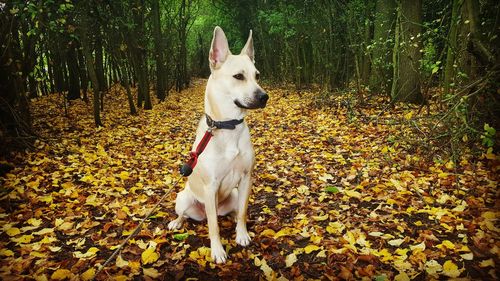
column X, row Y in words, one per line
column 91, row 253
column 290, row 259
column 450, row 269
column 311, row 248
column 149, row 255
column 88, row 274
column 151, row 272
column 61, row 274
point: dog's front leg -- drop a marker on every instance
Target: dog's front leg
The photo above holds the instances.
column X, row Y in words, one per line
column 244, row 189
column 217, row 251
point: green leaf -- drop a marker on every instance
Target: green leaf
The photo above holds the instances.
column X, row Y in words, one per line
column 332, row 189
column 435, row 69
column 181, row 236
column 380, row 278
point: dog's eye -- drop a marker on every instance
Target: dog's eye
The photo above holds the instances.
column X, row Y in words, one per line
column 257, row 76
column 239, row 76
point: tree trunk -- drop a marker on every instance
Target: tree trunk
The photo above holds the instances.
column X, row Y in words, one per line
column 184, row 18
column 15, row 117
column 366, row 66
column 406, row 81
column 89, row 60
column 84, row 79
column 380, row 75
column 124, row 79
column 159, row 49
column 449, row 71
column 138, row 55
column 74, row 72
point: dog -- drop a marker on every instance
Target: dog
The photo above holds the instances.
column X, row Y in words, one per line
column 221, row 182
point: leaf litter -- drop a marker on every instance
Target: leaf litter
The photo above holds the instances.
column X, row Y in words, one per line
column 334, row 197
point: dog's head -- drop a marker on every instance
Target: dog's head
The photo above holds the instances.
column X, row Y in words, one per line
column 235, row 75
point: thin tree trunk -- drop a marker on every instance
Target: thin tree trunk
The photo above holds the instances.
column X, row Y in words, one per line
column 74, row 73
column 406, row 87
column 449, row 71
column 380, row 75
column 159, row 49
column 87, row 53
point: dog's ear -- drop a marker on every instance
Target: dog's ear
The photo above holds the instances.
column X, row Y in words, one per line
column 248, row 49
column 219, row 49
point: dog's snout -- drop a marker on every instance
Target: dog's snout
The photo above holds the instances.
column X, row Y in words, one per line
column 262, row 97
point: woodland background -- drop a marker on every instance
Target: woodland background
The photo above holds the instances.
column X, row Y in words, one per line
column 411, row 51
column 377, row 155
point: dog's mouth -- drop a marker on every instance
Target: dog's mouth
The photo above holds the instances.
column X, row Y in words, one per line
column 259, row 101
column 253, row 105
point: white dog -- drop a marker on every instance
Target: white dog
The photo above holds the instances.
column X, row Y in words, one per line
column 221, row 182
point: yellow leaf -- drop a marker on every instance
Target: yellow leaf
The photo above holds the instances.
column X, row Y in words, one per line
column 290, row 259
column 58, row 222
column 311, row 248
column 151, row 272
column 61, row 274
column 320, row 218
column 268, row 271
column 396, row 242
column 121, row 278
column 88, row 274
column 91, row 200
column 443, row 175
column 47, row 199
column 120, row 262
column 468, row 256
column 316, row 239
column 35, row 222
column 23, row 239
column 44, row 231
column 432, row 267
column 42, row 277
column 352, row 193
column 325, row 177
column 486, row 263
column 124, row 175
column 91, row 252
column 448, row 244
column 6, row 253
column 149, row 255
column 13, row 231
column 489, row 215
column 65, row 226
column 402, row 276
column 450, row 269
column 418, row 247
column 409, row 115
column 33, row 184
column 285, row 232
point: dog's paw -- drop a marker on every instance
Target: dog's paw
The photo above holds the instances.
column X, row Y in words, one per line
column 218, row 253
column 176, row 224
column 242, row 238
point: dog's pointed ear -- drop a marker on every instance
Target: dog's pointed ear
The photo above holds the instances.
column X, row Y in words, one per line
column 248, row 49
column 219, row 49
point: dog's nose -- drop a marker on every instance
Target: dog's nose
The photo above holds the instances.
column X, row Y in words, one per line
column 263, row 97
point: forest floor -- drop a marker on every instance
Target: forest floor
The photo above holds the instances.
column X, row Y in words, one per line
column 339, row 193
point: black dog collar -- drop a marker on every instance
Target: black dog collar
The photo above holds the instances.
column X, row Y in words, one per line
column 230, row 124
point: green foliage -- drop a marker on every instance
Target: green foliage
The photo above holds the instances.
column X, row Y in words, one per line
column 430, row 62
column 488, row 136
column 332, row 189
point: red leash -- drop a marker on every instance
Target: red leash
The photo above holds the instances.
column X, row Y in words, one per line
column 188, row 167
